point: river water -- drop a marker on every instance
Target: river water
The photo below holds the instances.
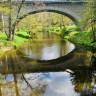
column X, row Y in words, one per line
column 40, row 68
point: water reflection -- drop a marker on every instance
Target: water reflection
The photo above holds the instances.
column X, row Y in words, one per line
column 48, row 84
column 38, row 84
column 47, row 48
column 60, row 85
column 21, row 74
column 49, row 53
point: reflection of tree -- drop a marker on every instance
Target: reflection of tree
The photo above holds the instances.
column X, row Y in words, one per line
column 16, row 85
column 93, row 59
column 83, row 76
column 34, row 49
column 84, row 79
column 0, row 86
column 32, row 79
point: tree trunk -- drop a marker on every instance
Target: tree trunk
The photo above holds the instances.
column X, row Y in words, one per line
column 10, row 29
column 3, row 24
column 93, row 31
column 13, row 29
column 0, row 85
column 13, row 33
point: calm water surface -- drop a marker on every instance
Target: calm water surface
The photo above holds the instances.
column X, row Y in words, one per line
column 38, row 68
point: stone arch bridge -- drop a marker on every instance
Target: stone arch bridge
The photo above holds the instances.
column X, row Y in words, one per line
column 73, row 10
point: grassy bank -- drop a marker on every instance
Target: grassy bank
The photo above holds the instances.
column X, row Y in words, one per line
column 58, row 30
column 79, row 37
column 52, row 29
column 21, row 37
column 84, row 38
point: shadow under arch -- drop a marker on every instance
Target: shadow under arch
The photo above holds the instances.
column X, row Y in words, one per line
column 46, row 10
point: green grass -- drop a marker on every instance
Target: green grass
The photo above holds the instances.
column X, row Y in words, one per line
column 83, row 38
column 20, row 37
column 71, row 28
column 1, row 49
column 58, row 29
column 53, row 29
column 70, row 34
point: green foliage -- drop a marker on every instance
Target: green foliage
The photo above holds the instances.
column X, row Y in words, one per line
column 83, row 38
column 61, row 20
column 70, row 34
column 52, row 29
column 55, row 22
column 64, row 33
column 4, row 9
column 21, row 36
column 71, row 28
column 1, row 49
column 89, row 14
column 30, row 23
column 89, row 18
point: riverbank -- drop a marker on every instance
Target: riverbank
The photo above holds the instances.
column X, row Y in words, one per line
column 20, row 37
column 82, row 38
column 59, row 30
column 78, row 37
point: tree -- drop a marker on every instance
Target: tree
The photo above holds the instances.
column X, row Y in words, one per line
column 3, row 11
column 30, row 23
column 61, row 21
column 89, row 18
column 36, row 5
column 39, row 21
column 6, row 8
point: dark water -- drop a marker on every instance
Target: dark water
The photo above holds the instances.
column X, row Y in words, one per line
column 38, row 68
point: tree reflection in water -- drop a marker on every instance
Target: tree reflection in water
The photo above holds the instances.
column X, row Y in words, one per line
column 84, row 80
column 21, row 84
column 22, row 76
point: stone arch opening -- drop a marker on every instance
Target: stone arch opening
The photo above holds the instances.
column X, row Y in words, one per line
column 46, row 10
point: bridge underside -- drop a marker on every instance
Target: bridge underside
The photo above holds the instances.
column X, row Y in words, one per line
column 49, row 10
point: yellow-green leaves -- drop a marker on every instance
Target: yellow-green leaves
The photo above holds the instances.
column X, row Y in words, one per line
column 4, row 8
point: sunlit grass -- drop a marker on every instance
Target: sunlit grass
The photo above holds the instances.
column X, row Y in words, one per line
column 20, row 37
column 83, row 38
column 1, row 49
column 70, row 28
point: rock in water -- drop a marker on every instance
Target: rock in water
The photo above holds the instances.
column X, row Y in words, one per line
column 69, row 71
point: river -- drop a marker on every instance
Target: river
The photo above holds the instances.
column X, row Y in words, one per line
column 48, row 66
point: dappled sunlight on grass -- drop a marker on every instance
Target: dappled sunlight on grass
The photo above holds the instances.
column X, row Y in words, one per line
column 20, row 37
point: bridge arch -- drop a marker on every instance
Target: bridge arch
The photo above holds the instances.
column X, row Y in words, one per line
column 47, row 10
